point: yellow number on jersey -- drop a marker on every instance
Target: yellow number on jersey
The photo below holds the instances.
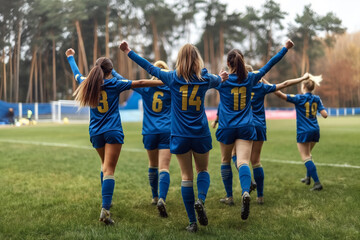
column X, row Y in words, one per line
column 103, row 100
column 193, row 100
column 157, row 104
column 242, row 92
column 313, row 109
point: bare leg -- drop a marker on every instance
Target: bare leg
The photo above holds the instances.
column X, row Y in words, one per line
column 112, row 153
column 185, row 162
column 243, row 151
column 226, row 152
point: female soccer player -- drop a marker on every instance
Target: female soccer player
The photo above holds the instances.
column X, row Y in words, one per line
column 307, row 128
column 190, row 135
column 156, row 138
column 100, row 90
column 236, row 121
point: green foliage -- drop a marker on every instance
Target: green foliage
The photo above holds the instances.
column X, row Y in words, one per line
column 53, row 192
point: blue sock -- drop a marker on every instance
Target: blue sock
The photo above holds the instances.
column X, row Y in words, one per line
column 203, row 184
column 187, row 192
column 234, row 161
column 245, row 178
column 107, row 191
column 259, row 179
column 311, row 168
column 153, row 180
column 227, row 177
column 164, row 182
column 101, row 177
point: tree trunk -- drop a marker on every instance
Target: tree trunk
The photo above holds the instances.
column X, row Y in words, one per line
column 304, row 55
column 36, row 80
column 206, row 49
column 17, row 66
column 107, row 50
column 156, row 49
column 41, row 83
column 10, row 75
column 212, row 54
column 30, row 87
column 5, row 97
column 221, row 46
column 80, row 60
column 82, row 48
column 54, row 68
column 269, row 45
column 95, row 42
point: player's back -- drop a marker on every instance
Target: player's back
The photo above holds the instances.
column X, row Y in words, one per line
column 307, row 105
column 258, row 94
column 157, row 109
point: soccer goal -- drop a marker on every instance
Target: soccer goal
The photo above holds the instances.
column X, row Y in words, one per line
column 69, row 110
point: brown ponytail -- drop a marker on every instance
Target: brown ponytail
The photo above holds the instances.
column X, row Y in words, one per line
column 88, row 92
column 235, row 61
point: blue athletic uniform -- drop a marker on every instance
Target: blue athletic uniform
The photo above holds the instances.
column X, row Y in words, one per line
column 189, row 125
column 105, row 123
column 156, row 120
column 235, row 114
column 257, row 103
column 307, row 105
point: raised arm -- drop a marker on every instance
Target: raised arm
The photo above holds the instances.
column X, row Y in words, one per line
column 117, row 75
column 146, row 83
column 291, row 82
column 74, row 68
column 274, row 60
column 281, row 95
column 161, row 74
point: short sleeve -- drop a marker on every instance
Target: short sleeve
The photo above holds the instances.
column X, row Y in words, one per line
column 292, row 98
column 269, row 88
column 123, row 85
column 320, row 105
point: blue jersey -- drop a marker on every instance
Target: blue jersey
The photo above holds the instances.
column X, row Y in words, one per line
column 257, row 102
column 105, row 117
column 188, row 118
column 235, row 98
column 306, row 105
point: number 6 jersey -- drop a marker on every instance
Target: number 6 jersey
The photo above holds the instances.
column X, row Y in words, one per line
column 105, row 117
column 307, row 105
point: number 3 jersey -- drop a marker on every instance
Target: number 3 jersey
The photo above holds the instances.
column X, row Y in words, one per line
column 188, row 118
column 157, row 109
column 307, row 105
column 105, row 117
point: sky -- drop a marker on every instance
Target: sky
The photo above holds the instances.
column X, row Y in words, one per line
column 347, row 10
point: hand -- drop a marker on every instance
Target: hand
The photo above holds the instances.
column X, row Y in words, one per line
column 213, row 124
column 289, row 44
column 70, row 52
column 124, row 47
column 306, row 76
column 224, row 75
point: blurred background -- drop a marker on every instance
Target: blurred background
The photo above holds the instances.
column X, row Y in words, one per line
column 34, row 35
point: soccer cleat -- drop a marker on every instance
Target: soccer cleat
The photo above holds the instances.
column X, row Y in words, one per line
column 260, row 200
column 306, row 180
column 317, row 187
column 253, row 186
column 154, row 201
column 105, row 217
column 192, row 227
column 161, row 206
column 245, row 208
column 201, row 213
column 227, row 200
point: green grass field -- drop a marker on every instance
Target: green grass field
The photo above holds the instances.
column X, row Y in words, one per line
column 50, row 188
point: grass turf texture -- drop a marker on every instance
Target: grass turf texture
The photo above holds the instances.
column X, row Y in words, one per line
column 53, row 192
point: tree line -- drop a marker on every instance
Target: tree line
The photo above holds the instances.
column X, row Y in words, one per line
column 36, row 33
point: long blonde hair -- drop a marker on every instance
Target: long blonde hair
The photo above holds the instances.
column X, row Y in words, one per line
column 189, row 62
column 88, row 92
column 162, row 65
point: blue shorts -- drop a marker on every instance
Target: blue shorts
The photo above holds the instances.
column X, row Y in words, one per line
column 312, row 136
column 229, row 135
column 156, row 141
column 180, row 145
column 260, row 133
column 110, row 137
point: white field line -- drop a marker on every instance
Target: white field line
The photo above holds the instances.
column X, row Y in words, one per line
column 143, row 150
